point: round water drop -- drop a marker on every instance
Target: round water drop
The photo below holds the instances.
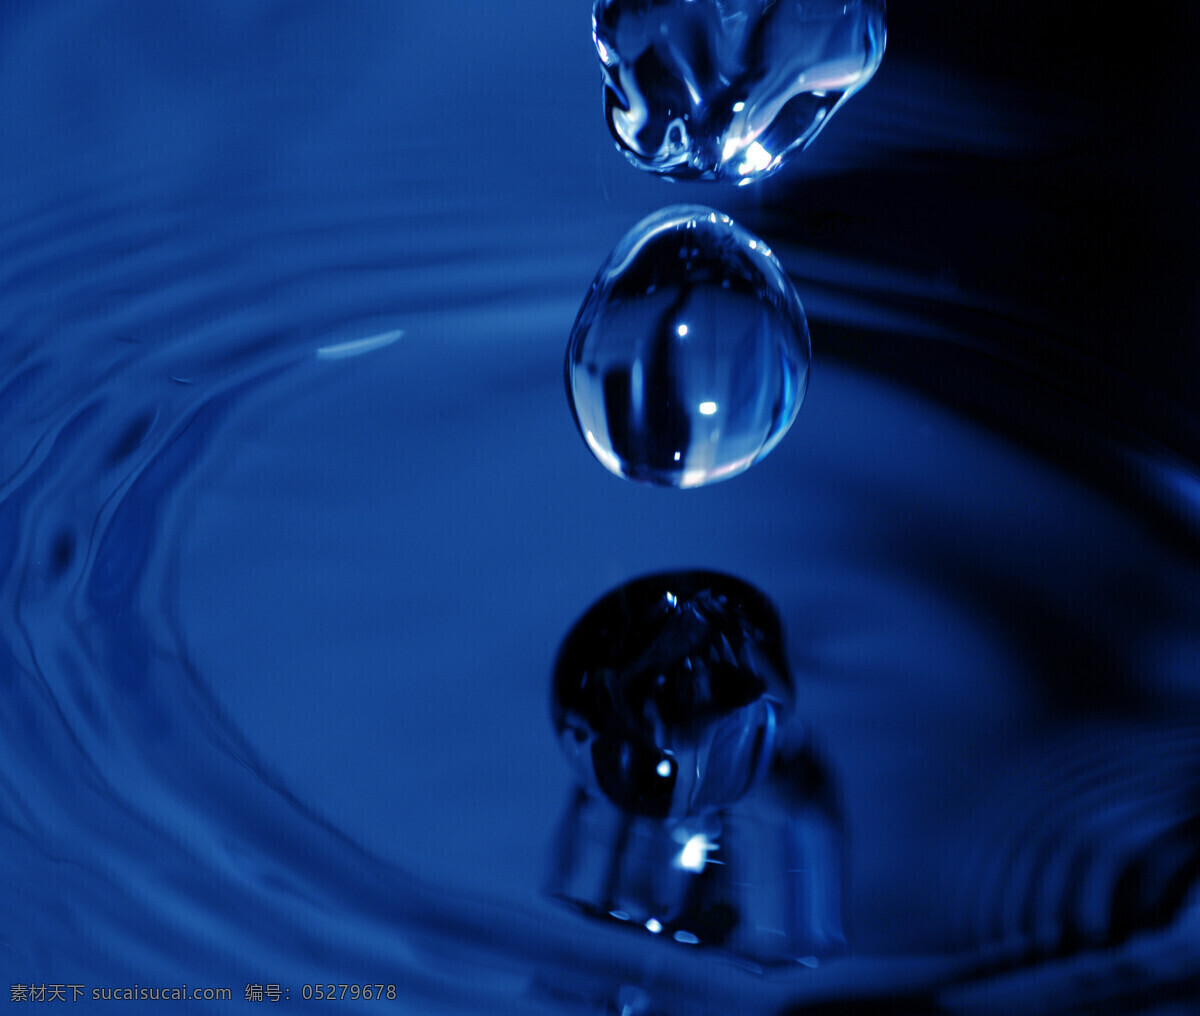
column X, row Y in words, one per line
column 726, row 89
column 668, row 695
column 689, row 358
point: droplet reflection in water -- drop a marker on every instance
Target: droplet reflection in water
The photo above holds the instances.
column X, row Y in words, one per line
column 689, row 358
column 725, row 90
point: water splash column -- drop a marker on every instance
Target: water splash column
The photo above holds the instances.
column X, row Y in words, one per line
column 703, row 814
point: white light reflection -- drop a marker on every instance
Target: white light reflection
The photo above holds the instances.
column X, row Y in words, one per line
column 605, row 455
column 756, row 161
column 708, row 408
column 356, row 347
column 694, row 855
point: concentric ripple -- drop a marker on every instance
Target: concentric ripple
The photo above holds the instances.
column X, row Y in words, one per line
column 1093, row 842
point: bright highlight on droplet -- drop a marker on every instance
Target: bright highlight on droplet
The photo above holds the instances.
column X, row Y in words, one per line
column 654, row 926
column 756, row 161
column 663, row 768
column 683, row 405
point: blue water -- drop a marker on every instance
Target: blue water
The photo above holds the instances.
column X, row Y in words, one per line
column 727, row 90
column 672, row 700
column 293, row 517
column 689, row 358
column 668, row 693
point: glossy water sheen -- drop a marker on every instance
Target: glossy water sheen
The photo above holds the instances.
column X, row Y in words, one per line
column 727, row 89
column 689, row 358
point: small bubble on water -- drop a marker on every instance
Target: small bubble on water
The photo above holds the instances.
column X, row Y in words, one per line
column 689, row 358
column 726, row 89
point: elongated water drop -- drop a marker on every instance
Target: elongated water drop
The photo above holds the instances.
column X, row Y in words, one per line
column 689, row 358
column 726, row 89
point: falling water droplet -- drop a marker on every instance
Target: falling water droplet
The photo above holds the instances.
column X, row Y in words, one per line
column 689, row 358
column 726, row 89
